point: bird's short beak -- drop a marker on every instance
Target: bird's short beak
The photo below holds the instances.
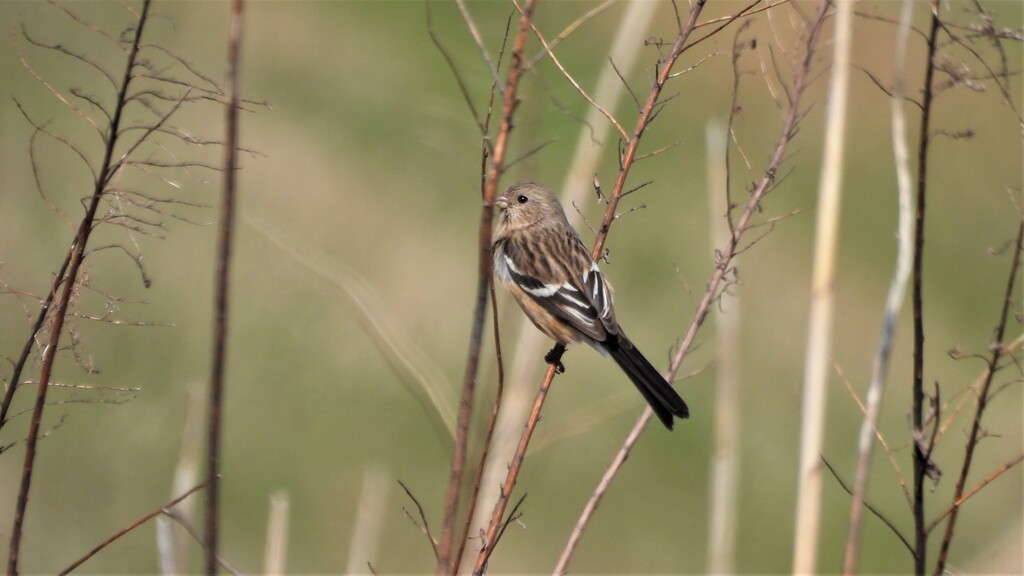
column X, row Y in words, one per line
column 501, row 202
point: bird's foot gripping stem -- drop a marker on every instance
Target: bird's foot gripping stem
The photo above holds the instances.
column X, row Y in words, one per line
column 554, row 357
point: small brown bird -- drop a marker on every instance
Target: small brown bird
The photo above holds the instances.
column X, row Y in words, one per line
column 547, row 269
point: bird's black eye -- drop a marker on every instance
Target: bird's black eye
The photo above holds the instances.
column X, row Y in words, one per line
column 522, row 199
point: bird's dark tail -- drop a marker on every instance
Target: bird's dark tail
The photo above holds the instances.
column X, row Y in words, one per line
column 664, row 400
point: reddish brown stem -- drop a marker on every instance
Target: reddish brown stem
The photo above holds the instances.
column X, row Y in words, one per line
column 664, row 72
column 974, row 490
column 485, row 451
column 493, row 528
column 725, row 261
column 975, row 435
column 484, row 265
column 221, row 290
column 60, row 312
column 920, row 458
column 129, row 528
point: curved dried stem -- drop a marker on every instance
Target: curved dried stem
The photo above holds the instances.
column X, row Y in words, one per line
column 894, row 300
column 583, row 93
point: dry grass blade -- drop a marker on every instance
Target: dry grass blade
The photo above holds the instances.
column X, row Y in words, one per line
column 819, row 337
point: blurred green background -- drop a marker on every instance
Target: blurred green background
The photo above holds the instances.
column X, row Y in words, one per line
column 368, row 171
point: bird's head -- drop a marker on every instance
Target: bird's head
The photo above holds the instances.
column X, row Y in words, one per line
column 528, row 203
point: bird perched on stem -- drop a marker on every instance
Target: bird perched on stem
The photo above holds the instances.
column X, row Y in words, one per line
column 547, row 269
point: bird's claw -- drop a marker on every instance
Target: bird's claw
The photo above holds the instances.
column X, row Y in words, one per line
column 553, row 357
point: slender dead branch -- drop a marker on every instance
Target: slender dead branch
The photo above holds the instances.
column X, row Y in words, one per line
column 463, row 88
column 974, row 490
column 572, row 27
column 194, row 533
column 26, row 350
column 900, row 478
column 70, row 281
column 496, row 525
column 488, row 437
column 628, row 157
column 997, row 352
column 878, row 514
column 130, row 527
column 484, row 266
column 222, row 276
column 718, row 276
column 575, row 84
column 917, row 403
column 478, row 39
column 425, row 526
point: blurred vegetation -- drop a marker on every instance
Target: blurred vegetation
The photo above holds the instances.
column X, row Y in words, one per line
column 369, row 162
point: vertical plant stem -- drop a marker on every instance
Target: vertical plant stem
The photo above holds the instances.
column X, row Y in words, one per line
column 894, row 300
column 69, row 282
column 276, row 547
column 484, row 266
column 819, row 336
column 221, row 290
column 497, row 517
column 574, row 190
column 917, row 409
column 976, row 432
column 488, row 438
column 725, row 452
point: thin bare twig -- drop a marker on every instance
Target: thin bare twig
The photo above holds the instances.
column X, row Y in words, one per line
column 900, row 478
column 222, row 275
column 488, row 437
column 484, row 269
column 194, row 533
column 572, row 27
column 719, row 275
column 997, row 351
column 463, row 88
column 130, row 527
column 496, row 525
column 425, row 527
column 917, row 396
column 870, row 507
column 569, row 77
column 477, row 38
column 974, row 490
column 60, row 312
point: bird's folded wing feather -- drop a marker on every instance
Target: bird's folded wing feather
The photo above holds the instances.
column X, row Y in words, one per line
column 582, row 299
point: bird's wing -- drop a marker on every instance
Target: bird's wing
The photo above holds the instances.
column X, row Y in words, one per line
column 581, row 299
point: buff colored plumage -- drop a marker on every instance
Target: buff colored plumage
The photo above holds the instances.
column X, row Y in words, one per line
column 542, row 262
